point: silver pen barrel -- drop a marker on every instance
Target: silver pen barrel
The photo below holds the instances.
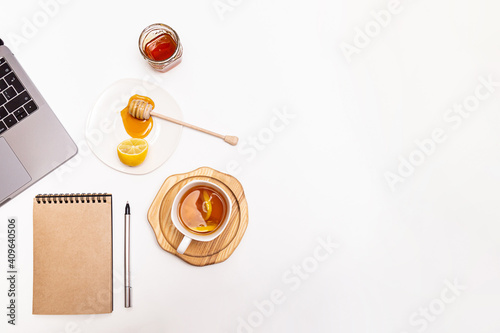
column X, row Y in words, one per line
column 127, row 257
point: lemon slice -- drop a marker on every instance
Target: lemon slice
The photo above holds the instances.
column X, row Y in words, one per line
column 209, row 227
column 207, row 205
column 132, row 152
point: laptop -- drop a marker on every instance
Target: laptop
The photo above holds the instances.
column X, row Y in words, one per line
column 32, row 140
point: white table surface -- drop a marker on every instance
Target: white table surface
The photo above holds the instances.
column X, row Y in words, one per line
column 320, row 174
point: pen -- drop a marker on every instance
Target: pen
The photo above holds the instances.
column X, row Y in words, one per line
column 127, row 256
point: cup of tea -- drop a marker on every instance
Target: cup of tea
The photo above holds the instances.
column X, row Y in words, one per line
column 201, row 212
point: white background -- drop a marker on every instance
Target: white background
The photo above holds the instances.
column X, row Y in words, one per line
column 321, row 176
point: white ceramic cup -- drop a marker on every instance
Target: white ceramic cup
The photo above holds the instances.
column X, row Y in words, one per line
column 188, row 234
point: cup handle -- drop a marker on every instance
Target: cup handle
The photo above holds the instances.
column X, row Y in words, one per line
column 184, row 245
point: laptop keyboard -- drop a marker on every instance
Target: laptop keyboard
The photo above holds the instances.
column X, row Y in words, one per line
column 15, row 102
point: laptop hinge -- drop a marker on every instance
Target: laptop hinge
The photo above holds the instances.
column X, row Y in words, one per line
column 4, row 202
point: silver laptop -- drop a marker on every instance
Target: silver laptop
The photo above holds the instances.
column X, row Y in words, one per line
column 32, row 140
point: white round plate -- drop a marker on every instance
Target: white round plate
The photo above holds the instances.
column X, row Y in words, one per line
column 105, row 129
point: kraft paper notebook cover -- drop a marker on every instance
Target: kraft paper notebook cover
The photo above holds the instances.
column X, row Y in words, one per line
column 72, row 254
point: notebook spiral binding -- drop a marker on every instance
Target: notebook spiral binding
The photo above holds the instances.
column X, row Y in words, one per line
column 72, row 198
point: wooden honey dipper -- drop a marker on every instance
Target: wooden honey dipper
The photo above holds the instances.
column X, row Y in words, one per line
column 141, row 109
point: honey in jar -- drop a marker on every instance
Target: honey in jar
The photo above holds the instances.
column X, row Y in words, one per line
column 161, row 48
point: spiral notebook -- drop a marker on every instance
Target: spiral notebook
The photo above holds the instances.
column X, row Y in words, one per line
column 72, row 254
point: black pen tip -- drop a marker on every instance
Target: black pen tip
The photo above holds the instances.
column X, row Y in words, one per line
column 127, row 209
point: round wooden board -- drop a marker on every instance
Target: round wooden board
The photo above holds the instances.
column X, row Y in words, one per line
column 199, row 253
